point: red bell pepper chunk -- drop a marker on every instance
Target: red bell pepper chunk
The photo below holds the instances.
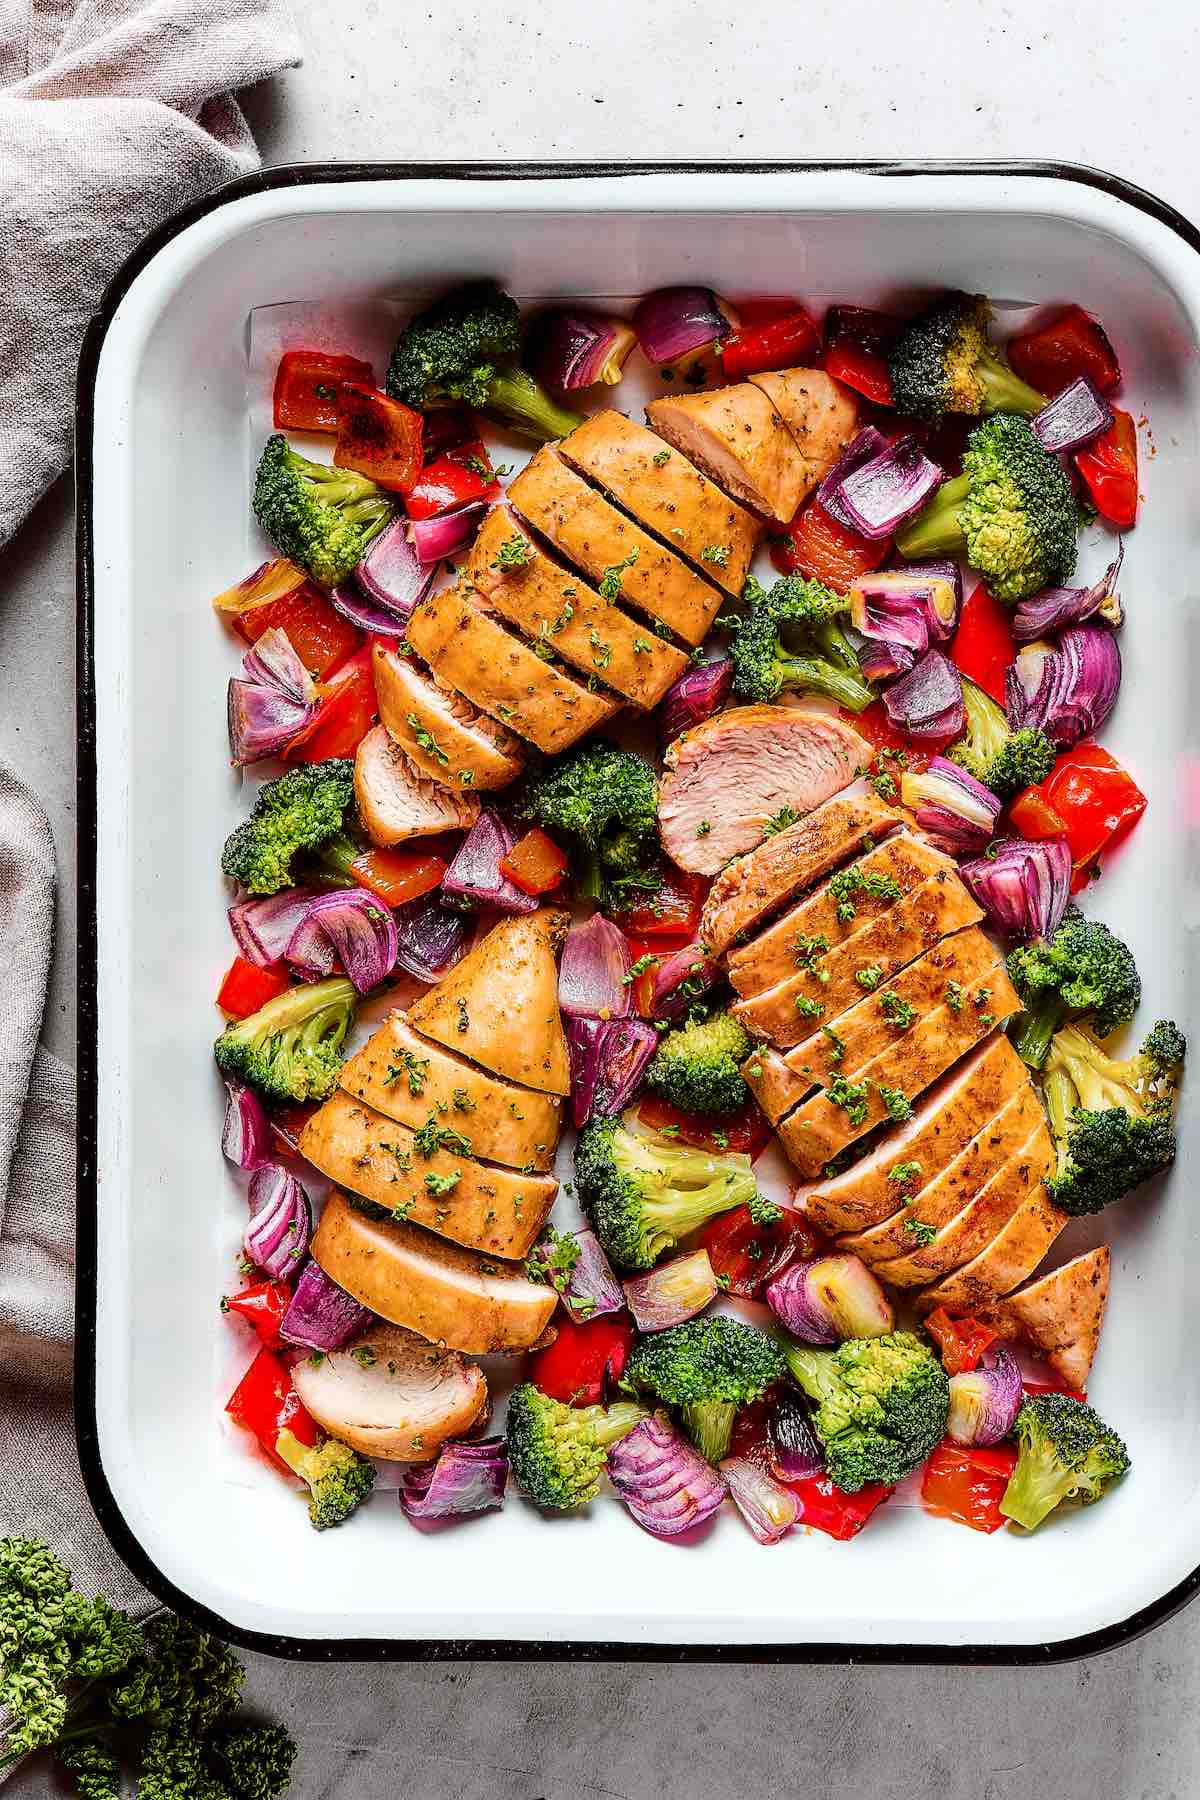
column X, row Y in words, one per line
column 347, row 712
column 861, row 325
column 1109, row 466
column 642, row 986
column 586, row 1359
column 378, row 436
column 750, row 1255
column 306, row 388
column 1088, row 798
column 961, row 1341
column 1071, row 345
column 856, row 345
column 967, row 1482
column 396, row 876
column 446, row 427
column 815, row 544
column 826, row 1508
column 321, row 638
column 246, row 987
column 1032, row 816
column 452, row 480
column 745, row 1131
column 874, row 725
column 535, row 863
column 781, row 343
column 262, row 1305
column 669, row 916
column 983, row 647
column 265, row 1403
column 751, row 1435
column 764, row 309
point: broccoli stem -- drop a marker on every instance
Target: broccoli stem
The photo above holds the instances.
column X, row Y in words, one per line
column 1004, row 391
column 683, row 1210
column 936, row 531
column 1038, row 1484
column 1037, row 1026
column 329, row 867
column 816, row 676
column 590, row 880
column 527, row 407
column 709, row 1424
column 1058, row 1092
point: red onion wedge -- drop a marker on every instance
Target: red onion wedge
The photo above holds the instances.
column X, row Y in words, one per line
column 899, row 606
column 880, row 494
column 667, row 1486
column 675, row 322
column 984, row 1402
column 830, row 1298
column 674, row 1291
column 883, row 660
column 365, row 614
column 391, row 573
column 680, row 979
column 353, row 926
column 864, row 448
column 592, row 975
column 1056, row 608
column 695, row 696
column 796, row 1450
column 573, row 1263
column 1067, row 689
column 570, row 348
column 928, row 702
column 475, row 876
column 768, row 1509
column 276, row 1238
column 1023, row 887
column 956, row 812
column 446, row 534
column 1073, row 418
column 608, row 1060
column 430, row 938
column 246, row 1133
column 263, row 928
column 322, row 1315
column 466, row 1478
column 277, row 699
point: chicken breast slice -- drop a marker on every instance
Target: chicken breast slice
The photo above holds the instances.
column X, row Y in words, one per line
column 443, row 735
column 1060, row 1315
column 396, row 802
column 450, row 1295
column 596, row 536
column 1013, row 1253
column 821, row 415
column 727, row 780
column 752, row 887
column 392, row 1395
column 477, row 657
column 558, row 611
column 667, row 495
column 739, row 440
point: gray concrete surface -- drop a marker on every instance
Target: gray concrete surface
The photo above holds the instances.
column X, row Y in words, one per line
column 1084, row 82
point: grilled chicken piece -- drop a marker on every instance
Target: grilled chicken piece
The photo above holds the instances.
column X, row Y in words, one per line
column 1013, row 1253
column 962, row 1104
column 881, row 878
column 451, row 1296
column 396, row 802
column 1060, row 1315
column 936, row 1199
column 499, row 1005
column 404, row 1076
column 820, row 413
column 557, row 609
column 974, row 1227
column 739, row 440
column 480, row 1204
column 666, row 495
column 591, row 533
column 475, row 656
column 819, row 1130
column 754, row 886
column 725, row 781
column 391, row 1394
column 784, row 1014
column 442, row 734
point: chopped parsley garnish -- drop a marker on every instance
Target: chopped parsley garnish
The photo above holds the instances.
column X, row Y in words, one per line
column 415, row 1067
column 763, row 1211
column 787, row 815
column 426, row 740
column 513, row 553
column 660, row 457
column 897, row 1012
column 462, row 1100
column 716, row 553
column 851, row 1096
column 809, row 1009
column 904, row 1173
column 464, row 1023
column 704, row 827
column 851, row 884
column 646, row 961
column 433, row 1137
column 919, row 1231
column 899, row 1107
column 869, row 976
column 553, row 1259
column 806, row 952
column 837, row 1046
column 601, row 652
column 610, row 581
column 442, row 1184
column 954, row 996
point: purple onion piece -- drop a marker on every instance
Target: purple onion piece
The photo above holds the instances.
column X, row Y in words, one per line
column 608, row 1058
column 682, row 978
column 984, row 1402
column 357, row 928
column 1073, row 418
column 695, row 696
column 1023, row 887
column 322, row 1315
column 864, row 448
column 673, row 1292
column 901, row 607
column 665, row 1483
column 310, row 951
column 475, row 875
column 796, row 1450
column 276, row 1238
column 826, row 1299
column 880, row 494
column 570, row 348
column 263, row 929
column 365, row 613
column 391, row 574
column 942, row 625
column 262, row 721
column 447, row 533
column 928, row 702
column 677, row 321
column 1067, row 690
column 573, row 1263
column 466, row 1478
column 592, row 974
column 883, row 661
column 768, row 1509
column 957, row 812
column 430, row 938
column 1056, row 608
column 246, row 1133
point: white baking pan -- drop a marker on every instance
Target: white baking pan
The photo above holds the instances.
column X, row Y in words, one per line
column 164, row 524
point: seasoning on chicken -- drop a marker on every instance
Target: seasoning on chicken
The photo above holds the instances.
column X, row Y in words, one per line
column 820, row 413
column 442, row 734
column 1013, row 1253
column 391, row 1394
column 739, row 440
column 396, row 802
column 1060, row 1315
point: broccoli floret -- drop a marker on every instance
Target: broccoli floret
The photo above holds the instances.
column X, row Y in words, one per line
column 1004, row 760
column 339, row 1479
column 464, row 350
column 558, row 1452
column 299, row 811
column 707, row 1368
column 317, row 516
column 1113, row 1122
column 291, row 1048
column 793, row 637
column 606, row 801
column 1084, row 969
column 1011, row 513
column 942, row 362
column 881, row 1405
column 644, row 1194
column 1066, row 1452
column 697, row 1066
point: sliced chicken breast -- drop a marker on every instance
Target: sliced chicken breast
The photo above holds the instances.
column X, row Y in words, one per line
column 820, row 413
column 754, row 886
column 474, row 1203
column 450, row 1295
column 1060, row 1315
column 739, row 440
column 666, row 495
column 879, row 879
column 564, row 617
column 594, row 535
column 725, row 782
column 396, row 802
column 1013, row 1253
column 476, row 657
column 443, row 735
column 393, row 1395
